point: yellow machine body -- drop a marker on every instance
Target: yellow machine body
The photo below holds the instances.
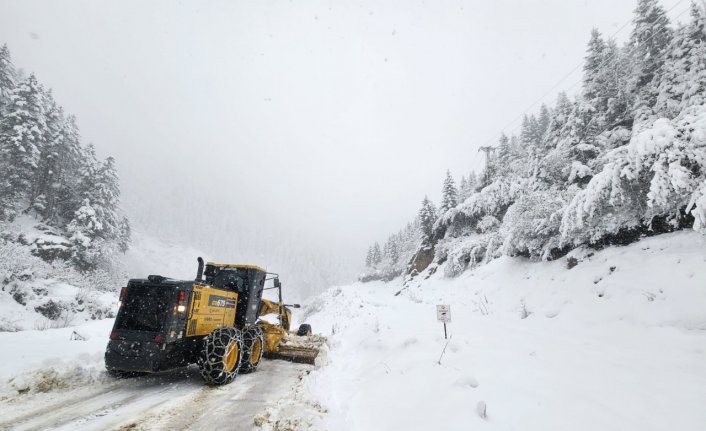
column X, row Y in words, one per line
column 210, row 309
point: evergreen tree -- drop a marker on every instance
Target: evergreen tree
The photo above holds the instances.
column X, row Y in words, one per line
column 602, row 86
column 462, row 189
column 530, row 136
column 22, row 134
column 615, row 78
column 427, row 218
column 369, row 257
column 68, row 191
column 592, row 71
column 85, row 231
column 8, row 78
column 449, row 193
column 467, row 186
column 504, row 152
column 471, row 183
column 44, row 182
column 649, row 41
column 377, row 254
column 543, row 120
column 393, row 249
column 683, row 80
column 124, row 234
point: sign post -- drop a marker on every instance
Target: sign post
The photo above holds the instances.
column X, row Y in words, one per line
column 443, row 314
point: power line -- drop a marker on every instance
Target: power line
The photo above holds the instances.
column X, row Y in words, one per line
column 611, row 57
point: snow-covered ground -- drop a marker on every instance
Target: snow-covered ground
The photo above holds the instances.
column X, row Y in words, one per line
column 37, row 294
column 51, row 381
column 618, row 342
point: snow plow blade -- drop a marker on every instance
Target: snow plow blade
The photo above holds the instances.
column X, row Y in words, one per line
column 299, row 355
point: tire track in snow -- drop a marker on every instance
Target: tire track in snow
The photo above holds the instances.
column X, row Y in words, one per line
column 22, row 415
column 226, row 407
column 83, row 409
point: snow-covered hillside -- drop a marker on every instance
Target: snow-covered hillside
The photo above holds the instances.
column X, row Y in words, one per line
column 40, row 291
column 617, row 342
column 37, row 292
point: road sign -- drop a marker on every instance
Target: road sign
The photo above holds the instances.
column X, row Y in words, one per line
column 443, row 313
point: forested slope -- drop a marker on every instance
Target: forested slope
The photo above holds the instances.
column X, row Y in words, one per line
column 61, row 225
column 624, row 158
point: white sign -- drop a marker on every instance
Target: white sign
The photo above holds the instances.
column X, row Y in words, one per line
column 443, row 313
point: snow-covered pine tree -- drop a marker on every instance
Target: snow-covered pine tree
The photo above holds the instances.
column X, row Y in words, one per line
column 560, row 116
column 462, row 189
column 615, row 78
column 377, row 254
column 124, row 234
column 97, row 225
column 504, row 154
column 577, row 143
column 67, row 194
column 472, row 183
column 530, row 132
column 683, row 76
column 592, row 72
column 393, row 249
column 8, row 78
column 85, row 231
column 369, row 257
column 427, row 218
column 22, row 135
column 45, row 178
column 543, row 119
column 449, row 193
column 649, row 40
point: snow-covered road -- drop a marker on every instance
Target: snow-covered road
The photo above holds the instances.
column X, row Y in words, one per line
column 177, row 400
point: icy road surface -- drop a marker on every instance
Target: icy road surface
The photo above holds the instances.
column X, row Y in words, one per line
column 168, row 401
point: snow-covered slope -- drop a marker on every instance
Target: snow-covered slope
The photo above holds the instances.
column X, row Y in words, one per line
column 617, row 342
column 37, row 292
column 39, row 289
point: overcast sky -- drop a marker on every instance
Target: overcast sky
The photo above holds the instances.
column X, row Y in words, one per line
column 328, row 119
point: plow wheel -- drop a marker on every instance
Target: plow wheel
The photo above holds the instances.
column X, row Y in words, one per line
column 221, row 356
column 304, row 330
column 253, row 347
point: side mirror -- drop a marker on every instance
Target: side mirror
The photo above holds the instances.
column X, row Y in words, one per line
column 277, row 283
column 293, row 305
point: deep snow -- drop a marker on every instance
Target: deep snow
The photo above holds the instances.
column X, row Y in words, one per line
column 616, row 343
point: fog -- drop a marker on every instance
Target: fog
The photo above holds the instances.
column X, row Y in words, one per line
column 296, row 133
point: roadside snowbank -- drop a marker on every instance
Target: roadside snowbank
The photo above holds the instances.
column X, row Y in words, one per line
column 618, row 342
column 41, row 361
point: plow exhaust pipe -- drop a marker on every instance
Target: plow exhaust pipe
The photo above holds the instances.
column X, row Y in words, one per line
column 199, row 272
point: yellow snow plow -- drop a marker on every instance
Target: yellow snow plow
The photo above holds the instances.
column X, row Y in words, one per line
column 219, row 321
